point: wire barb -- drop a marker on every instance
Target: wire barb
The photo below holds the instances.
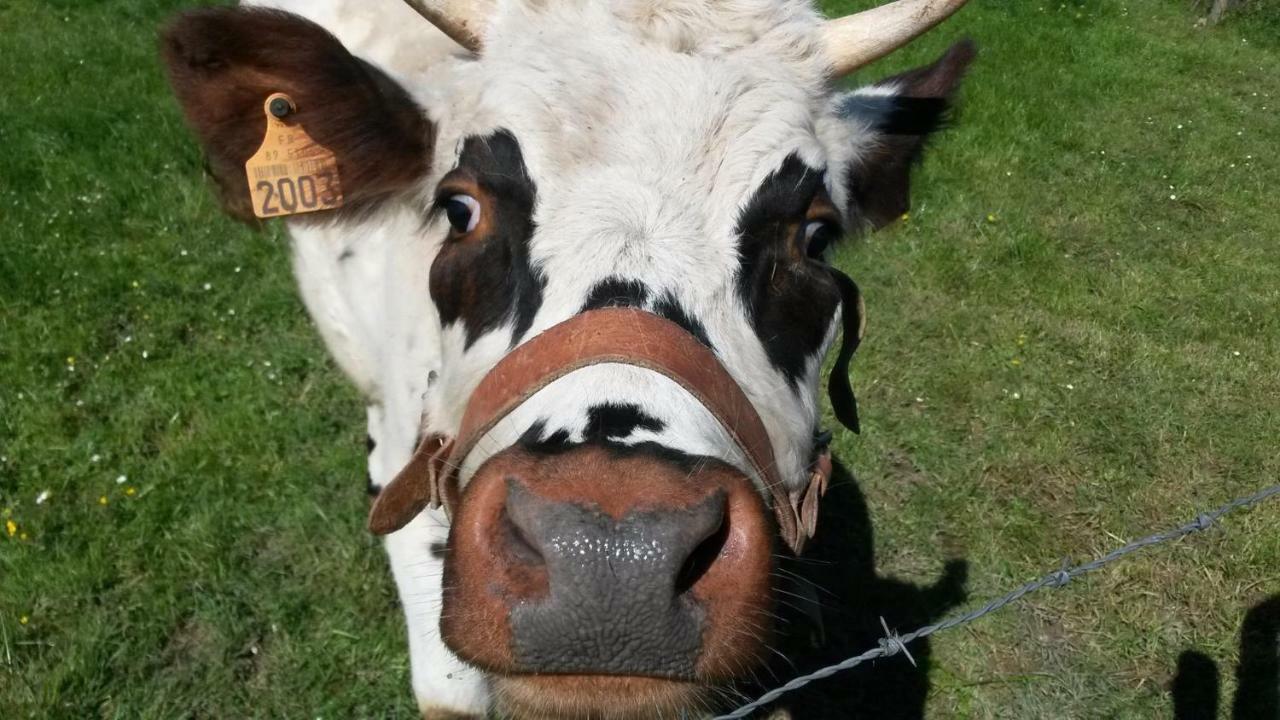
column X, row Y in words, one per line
column 892, row 643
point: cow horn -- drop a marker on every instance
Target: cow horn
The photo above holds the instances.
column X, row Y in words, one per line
column 459, row 19
column 857, row 40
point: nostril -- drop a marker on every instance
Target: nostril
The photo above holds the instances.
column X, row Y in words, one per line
column 518, row 544
column 703, row 556
column 518, row 525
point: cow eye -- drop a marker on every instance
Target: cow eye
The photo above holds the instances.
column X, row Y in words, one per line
column 463, row 212
column 818, row 236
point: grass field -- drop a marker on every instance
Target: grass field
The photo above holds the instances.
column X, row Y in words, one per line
column 1074, row 340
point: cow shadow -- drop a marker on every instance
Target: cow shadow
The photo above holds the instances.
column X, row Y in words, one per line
column 1195, row 686
column 838, row 568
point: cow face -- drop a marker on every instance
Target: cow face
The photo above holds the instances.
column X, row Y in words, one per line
column 612, row 549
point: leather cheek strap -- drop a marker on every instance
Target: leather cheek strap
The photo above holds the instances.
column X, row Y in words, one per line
column 611, row 335
column 420, row 485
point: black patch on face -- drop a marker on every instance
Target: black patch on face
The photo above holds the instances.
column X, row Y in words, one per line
column 616, row 292
column 533, row 436
column 558, row 442
column 485, row 282
column 533, row 439
column 605, row 425
column 790, row 299
column 671, row 309
column 614, row 421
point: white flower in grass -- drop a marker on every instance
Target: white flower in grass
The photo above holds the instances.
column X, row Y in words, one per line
column 122, row 479
column 42, row 497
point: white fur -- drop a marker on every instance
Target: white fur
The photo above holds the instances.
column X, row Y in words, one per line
column 646, row 126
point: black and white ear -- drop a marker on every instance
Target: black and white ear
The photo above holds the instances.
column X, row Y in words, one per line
column 892, row 121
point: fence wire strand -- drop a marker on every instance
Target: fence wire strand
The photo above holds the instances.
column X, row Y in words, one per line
column 893, row 644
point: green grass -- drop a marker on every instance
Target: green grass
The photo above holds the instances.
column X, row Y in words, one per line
column 1064, row 353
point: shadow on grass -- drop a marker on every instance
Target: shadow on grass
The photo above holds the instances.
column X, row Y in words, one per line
column 839, row 568
column 1195, row 685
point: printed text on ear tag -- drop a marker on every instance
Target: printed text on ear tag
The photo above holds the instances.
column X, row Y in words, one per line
column 291, row 173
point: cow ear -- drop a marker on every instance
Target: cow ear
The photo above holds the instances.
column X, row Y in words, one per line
column 224, row 63
column 893, row 120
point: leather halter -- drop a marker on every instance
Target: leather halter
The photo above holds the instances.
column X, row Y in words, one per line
column 612, row 335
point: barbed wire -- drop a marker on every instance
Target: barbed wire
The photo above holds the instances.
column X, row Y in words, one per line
column 892, row 643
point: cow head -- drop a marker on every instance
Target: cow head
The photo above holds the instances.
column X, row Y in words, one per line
column 612, row 544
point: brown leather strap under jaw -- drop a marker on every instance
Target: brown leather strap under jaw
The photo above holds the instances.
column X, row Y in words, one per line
column 611, row 335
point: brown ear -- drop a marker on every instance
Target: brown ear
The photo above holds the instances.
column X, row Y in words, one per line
column 224, row 63
column 880, row 183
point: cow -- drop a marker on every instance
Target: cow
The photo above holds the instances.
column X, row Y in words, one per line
column 572, row 254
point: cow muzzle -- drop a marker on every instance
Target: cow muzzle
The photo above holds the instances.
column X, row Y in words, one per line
column 608, row 581
column 604, row 562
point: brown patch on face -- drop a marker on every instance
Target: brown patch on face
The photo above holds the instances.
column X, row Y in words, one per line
column 224, row 62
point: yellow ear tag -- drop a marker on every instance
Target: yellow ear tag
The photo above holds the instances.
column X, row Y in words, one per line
column 291, row 173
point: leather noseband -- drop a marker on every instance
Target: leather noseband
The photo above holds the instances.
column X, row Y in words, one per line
column 624, row 336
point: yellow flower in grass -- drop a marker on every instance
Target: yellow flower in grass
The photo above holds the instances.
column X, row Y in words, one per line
column 24, row 620
column 11, row 527
column 130, row 491
column 102, row 500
